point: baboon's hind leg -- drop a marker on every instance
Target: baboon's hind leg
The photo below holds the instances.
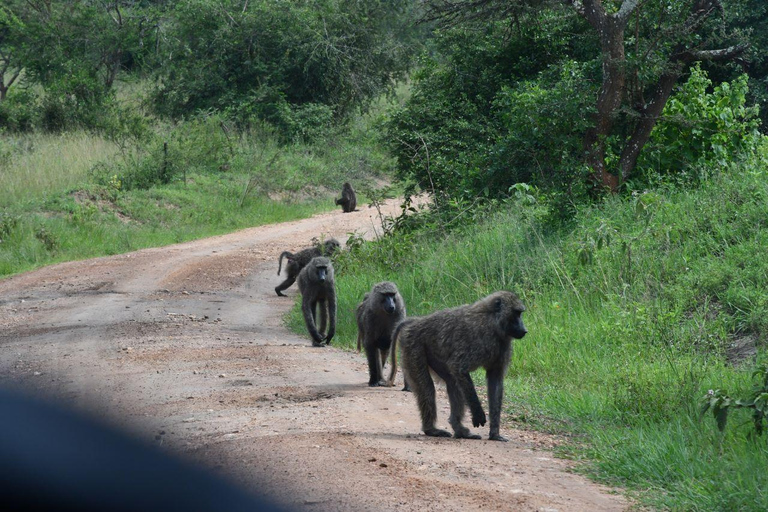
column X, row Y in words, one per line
column 284, row 286
column 423, row 387
column 458, row 408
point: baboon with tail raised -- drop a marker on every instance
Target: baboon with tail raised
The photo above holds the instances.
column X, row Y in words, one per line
column 454, row 342
column 296, row 262
column 381, row 310
column 318, row 292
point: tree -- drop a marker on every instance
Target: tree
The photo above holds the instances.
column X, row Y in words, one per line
column 665, row 38
column 11, row 34
column 279, row 61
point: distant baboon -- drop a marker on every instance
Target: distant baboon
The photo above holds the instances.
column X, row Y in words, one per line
column 454, row 342
column 295, row 262
column 318, row 289
column 348, row 199
column 377, row 316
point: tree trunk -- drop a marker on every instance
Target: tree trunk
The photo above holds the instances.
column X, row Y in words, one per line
column 611, row 30
column 649, row 115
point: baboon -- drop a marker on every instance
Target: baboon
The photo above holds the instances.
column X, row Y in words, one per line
column 377, row 316
column 295, row 262
column 318, row 289
column 454, row 342
column 348, row 199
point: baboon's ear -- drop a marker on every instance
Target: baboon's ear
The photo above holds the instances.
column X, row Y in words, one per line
column 497, row 305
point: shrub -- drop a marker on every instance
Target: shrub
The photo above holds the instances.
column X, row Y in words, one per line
column 20, row 111
column 701, row 125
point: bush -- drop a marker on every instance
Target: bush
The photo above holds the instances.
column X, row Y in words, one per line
column 289, row 63
column 701, row 125
column 20, row 111
column 503, row 107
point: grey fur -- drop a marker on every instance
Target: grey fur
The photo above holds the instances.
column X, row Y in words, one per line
column 454, row 342
column 296, row 262
column 381, row 310
column 348, row 199
column 318, row 290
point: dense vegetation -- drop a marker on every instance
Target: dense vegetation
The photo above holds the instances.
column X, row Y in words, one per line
column 128, row 124
column 617, row 179
column 635, row 312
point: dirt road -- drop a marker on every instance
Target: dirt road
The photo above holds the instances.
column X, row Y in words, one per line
column 184, row 346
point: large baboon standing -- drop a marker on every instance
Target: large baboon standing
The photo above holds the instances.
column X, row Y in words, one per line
column 454, row 342
column 318, row 291
column 348, row 199
column 381, row 310
column 296, row 262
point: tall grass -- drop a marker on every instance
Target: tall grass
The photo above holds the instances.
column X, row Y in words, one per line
column 36, row 166
column 75, row 196
column 632, row 313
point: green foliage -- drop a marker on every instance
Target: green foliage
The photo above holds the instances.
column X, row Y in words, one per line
column 621, row 343
column 702, row 125
column 512, row 100
column 77, row 195
column 291, row 64
column 544, row 121
column 19, row 112
column 757, row 401
column 8, row 223
column 497, row 107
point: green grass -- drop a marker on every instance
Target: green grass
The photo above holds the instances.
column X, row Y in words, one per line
column 631, row 314
column 75, row 196
column 84, row 225
column 32, row 167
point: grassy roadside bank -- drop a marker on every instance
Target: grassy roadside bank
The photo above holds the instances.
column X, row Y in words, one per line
column 635, row 312
column 79, row 195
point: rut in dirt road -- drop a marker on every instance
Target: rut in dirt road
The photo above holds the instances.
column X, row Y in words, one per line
column 185, row 347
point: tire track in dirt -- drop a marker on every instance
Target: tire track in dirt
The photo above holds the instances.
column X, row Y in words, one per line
column 184, row 346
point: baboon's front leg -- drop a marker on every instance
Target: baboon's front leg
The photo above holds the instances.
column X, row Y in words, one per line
column 495, row 395
column 470, row 395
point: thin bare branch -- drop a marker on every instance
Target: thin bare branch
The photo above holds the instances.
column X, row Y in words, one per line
column 718, row 55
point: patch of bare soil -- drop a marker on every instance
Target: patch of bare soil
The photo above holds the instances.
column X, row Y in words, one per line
column 184, row 346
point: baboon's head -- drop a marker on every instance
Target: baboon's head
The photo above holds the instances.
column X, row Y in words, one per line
column 509, row 313
column 385, row 295
column 330, row 246
column 321, row 269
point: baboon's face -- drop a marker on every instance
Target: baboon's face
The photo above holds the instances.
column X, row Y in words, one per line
column 510, row 311
column 389, row 302
column 321, row 271
column 331, row 246
column 516, row 328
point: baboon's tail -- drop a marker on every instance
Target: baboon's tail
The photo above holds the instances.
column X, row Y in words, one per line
column 285, row 254
column 393, row 354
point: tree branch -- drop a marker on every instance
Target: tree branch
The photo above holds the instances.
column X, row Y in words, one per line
column 718, row 55
column 594, row 12
column 13, row 79
column 627, row 8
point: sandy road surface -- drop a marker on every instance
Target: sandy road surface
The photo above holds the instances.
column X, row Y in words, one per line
column 184, row 346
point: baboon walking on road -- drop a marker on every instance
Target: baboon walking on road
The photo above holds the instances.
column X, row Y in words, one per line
column 454, row 342
column 318, row 290
column 377, row 316
column 296, row 262
column 348, row 199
